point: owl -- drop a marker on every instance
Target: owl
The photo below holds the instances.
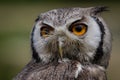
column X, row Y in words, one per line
column 69, row 44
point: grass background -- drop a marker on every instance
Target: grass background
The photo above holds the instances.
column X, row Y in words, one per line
column 17, row 19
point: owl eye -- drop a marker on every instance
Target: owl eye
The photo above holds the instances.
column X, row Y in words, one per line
column 46, row 31
column 78, row 29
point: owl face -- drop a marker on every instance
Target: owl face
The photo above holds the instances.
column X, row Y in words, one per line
column 71, row 33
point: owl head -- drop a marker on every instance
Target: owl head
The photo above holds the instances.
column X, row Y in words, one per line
column 71, row 33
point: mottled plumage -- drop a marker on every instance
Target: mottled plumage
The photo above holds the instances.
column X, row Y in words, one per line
column 69, row 44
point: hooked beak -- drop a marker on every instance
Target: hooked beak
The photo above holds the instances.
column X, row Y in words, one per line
column 60, row 45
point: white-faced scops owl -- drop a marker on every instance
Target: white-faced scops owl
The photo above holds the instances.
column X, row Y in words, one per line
column 69, row 44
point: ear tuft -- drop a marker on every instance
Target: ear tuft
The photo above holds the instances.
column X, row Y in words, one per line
column 98, row 9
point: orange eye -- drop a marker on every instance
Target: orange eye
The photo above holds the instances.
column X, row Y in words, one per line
column 46, row 31
column 78, row 29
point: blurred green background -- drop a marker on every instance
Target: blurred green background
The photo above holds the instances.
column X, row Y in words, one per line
column 16, row 21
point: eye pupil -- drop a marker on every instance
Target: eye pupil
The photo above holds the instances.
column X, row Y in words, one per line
column 46, row 31
column 78, row 28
